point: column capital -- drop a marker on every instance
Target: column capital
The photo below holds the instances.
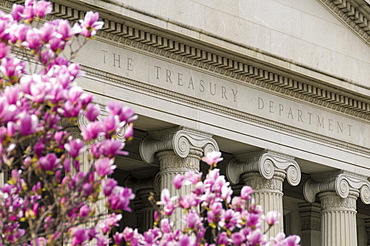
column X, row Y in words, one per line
column 341, row 182
column 266, row 162
column 179, row 139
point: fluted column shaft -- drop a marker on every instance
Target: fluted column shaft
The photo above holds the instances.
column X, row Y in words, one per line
column 172, row 165
column 338, row 219
column 269, row 194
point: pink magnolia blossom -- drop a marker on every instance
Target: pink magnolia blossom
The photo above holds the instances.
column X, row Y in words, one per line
column 17, row 12
column 102, row 240
column 192, row 220
column 118, row 238
column 108, row 185
column 167, row 202
column 84, row 211
column 18, row 34
column 90, row 24
column 42, row 8
column 92, row 112
column 47, row 32
column 212, row 158
column 104, row 167
column 256, row 237
column 27, row 124
column 92, row 131
column 33, row 39
column 75, row 147
column 119, row 199
column 129, row 131
column 109, row 222
column 49, row 162
column 246, row 192
column 111, row 148
column 193, row 177
column 4, row 50
column 272, row 218
column 178, row 181
column 79, row 236
column 56, row 44
column 64, row 30
column 12, row 67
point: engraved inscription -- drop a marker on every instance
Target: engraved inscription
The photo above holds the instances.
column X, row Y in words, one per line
column 220, row 90
column 190, row 82
column 306, row 117
column 117, row 60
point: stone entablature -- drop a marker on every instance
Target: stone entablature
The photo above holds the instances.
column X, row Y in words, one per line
column 218, row 63
column 292, row 91
column 161, row 77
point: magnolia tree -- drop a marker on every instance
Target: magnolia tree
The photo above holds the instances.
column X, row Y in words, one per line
column 50, row 198
column 211, row 215
column 52, row 194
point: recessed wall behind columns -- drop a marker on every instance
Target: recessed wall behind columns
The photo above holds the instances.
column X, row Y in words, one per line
column 303, row 34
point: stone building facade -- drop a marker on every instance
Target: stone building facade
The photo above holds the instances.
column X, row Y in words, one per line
column 280, row 87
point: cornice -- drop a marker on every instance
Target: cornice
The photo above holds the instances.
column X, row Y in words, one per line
column 351, row 16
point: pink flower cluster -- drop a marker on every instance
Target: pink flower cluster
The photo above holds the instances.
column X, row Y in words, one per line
column 55, row 182
column 209, row 208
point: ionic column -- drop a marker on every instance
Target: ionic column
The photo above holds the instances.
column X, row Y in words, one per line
column 179, row 150
column 265, row 173
column 338, row 193
column 310, row 223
